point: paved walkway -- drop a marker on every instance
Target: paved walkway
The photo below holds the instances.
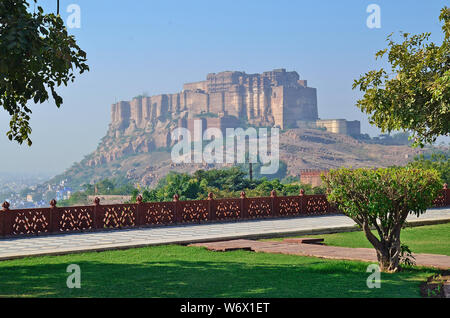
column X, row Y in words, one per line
column 185, row 234
column 323, row 251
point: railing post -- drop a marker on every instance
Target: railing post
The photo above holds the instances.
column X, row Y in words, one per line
column 273, row 203
column 138, row 210
column 244, row 212
column 176, row 208
column 211, row 207
column 3, row 218
column 302, row 201
column 446, row 195
column 96, row 212
column 53, row 217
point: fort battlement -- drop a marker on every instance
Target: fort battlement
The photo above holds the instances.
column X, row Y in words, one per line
column 274, row 98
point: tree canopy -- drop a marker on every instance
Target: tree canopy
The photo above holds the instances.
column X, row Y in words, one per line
column 437, row 161
column 37, row 55
column 415, row 94
column 223, row 183
column 382, row 199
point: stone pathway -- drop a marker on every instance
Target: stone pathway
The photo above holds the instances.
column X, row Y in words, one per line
column 323, row 251
column 185, row 234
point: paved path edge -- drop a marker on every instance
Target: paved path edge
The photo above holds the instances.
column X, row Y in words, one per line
column 255, row 236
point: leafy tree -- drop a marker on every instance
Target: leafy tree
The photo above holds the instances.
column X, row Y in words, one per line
column 104, row 186
column 438, row 161
column 415, row 94
column 36, row 56
column 224, row 183
column 401, row 138
column 107, row 186
column 78, row 198
column 382, row 199
column 290, row 179
column 232, row 179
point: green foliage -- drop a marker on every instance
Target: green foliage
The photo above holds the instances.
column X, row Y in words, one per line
column 36, row 55
column 223, row 183
column 401, row 138
column 382, row 199
column 380, row 192
column 232, row 179
column 78, row 198
column 290, row 179
column 103, row 187
column 109, row 187
column 415, row 94
column 437, row 161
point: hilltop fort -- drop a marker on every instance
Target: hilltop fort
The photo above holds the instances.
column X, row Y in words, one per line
column 230, row 99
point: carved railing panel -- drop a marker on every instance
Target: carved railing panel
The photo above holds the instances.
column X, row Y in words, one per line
column 119, row 216
column 289, row 206
column 158, row 213
column 316, row 204
column 30, row 221
column 194, row 211
column 76, row 218
column 258, row 207
column 227, row 209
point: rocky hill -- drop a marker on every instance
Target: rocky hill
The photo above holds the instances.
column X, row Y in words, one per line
column 138, row 142
column 299, row 149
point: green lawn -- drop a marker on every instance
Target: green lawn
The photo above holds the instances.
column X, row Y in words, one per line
column 178, row 271
column 432, row 239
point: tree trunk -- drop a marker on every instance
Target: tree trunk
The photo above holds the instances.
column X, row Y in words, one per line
column 389, row 255
column 387, row 247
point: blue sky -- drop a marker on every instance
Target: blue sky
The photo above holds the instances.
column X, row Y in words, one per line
column 155, row 46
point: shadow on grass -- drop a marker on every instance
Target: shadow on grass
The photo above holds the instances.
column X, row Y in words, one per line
column 233, row 274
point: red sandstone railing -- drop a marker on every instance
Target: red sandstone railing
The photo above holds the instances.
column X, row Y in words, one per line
column 58, row 220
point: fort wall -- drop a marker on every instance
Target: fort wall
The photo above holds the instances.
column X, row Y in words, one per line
column 273, row 98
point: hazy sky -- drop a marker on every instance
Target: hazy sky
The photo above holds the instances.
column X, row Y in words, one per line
column 155, row 46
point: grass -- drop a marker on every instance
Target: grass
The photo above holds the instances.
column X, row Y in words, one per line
column 431, row 239
column 179, row 271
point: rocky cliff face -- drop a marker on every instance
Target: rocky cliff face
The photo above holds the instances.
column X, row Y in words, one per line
column 299, row 149
column 120, row 142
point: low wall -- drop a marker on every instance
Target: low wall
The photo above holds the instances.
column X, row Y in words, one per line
column 97, row 217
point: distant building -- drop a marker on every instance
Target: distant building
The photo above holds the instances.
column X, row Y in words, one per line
column 340, row 126
column 312, row 176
